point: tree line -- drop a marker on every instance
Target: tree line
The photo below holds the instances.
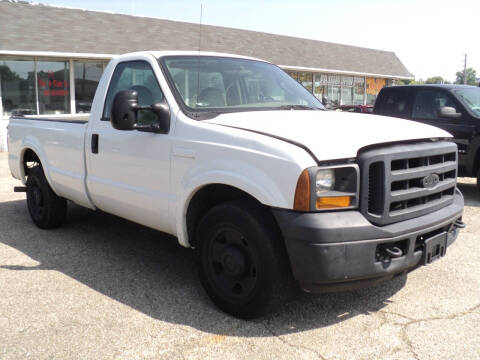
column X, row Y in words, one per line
column 471, row 79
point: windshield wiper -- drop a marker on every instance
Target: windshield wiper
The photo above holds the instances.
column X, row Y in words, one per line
column 297, row 107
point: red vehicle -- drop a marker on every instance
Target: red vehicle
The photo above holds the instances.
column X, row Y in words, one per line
column 357, row 108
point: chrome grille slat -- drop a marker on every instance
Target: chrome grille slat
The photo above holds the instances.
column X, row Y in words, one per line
column 393, row 180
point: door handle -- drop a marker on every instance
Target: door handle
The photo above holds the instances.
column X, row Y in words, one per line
column 94, row 143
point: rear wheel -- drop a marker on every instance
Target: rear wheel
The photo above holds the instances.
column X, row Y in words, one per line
column 242, row 263
column 46, row 208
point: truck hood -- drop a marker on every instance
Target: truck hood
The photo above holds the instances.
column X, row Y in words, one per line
column 330, row 135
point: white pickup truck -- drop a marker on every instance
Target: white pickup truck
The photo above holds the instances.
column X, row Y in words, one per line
column 242, row 164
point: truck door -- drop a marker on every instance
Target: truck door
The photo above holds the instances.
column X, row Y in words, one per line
column 426, row 109
column 129, row 171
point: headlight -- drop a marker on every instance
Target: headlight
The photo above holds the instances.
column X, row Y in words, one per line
column 324, row 181
column 327, row 188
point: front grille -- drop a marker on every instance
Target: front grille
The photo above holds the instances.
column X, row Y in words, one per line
column 401, row 182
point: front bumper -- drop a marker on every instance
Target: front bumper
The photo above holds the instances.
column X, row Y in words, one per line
column 343, row 250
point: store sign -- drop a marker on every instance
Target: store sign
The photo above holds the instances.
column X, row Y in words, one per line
column 334, row 79
column 347, row 80
column 321, row 79
column 50, row 86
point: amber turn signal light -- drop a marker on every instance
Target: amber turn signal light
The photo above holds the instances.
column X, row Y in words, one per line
column 302, row 192
column 333, row 202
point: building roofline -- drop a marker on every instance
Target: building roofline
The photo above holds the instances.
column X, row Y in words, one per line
column 72, row 55
column 57, row 54
column 345, row 72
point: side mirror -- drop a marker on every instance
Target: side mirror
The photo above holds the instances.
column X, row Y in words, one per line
column 449, row 112
column 124, row 113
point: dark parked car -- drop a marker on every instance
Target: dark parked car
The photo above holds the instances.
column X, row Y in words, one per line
column 455, row 108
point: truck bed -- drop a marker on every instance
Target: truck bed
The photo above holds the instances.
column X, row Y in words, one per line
column 59, row 142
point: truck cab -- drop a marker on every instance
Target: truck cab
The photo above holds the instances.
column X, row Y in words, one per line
column 454, row 108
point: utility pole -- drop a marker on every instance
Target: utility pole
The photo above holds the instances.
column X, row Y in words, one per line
column 465, row 71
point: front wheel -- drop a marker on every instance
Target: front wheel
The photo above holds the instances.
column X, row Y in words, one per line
column 242, row 263
column 478, row 180
column 46, row 208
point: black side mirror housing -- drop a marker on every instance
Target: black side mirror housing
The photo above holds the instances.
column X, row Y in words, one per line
column 124, row 113
column 449, row 112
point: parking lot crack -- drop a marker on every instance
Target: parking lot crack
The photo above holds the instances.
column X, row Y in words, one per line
column 397, row 314
column 404, row 327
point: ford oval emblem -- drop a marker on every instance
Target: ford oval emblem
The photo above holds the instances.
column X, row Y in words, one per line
column 430, row 181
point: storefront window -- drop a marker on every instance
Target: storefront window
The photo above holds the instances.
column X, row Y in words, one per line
column 333, row 94
column 319, row 85
column 53, row 87
column 87, row 75
column 293, row 74
column 17, row 87
column 306, row 79
column 358, row 90
column 347, row 90
column 347, row 95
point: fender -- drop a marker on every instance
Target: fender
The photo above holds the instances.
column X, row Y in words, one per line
column 31, row 143
column 264, row 190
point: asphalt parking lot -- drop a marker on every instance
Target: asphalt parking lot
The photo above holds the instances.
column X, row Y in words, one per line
column 104, row 288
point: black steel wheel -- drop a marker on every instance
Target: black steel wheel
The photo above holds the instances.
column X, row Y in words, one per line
column 231, row 264
column 46, row 208
column 241, row 259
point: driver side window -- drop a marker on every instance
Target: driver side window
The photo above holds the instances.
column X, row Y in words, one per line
column 138, row 76
column 428, row 103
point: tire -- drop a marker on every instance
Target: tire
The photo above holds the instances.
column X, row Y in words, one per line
column 478, row 180
column 242, row 261
column 47, row 210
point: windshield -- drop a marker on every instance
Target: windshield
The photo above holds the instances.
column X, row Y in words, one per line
column 471, row 98
column 220, row 84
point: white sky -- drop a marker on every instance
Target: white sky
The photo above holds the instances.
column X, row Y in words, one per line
column 430, row 37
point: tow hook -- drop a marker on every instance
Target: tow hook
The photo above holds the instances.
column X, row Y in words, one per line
column 387, row 253
column 394, row 252
column 459, row 224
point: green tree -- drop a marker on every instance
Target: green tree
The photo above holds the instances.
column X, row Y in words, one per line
column 436, row 80
column 418, row 82
column 471, row 77
column 7, row 74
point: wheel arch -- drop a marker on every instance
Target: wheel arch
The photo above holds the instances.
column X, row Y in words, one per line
column 226, row 185
column 30, row 154
column 205, row 198
column 202, row 199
